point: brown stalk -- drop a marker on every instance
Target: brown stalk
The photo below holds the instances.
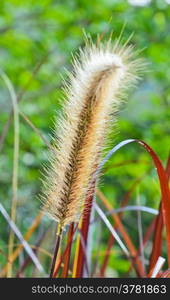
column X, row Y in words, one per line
column 36, row 249
column 61, row 258
column 67, row 256
column 80, row 257
column 57, row 246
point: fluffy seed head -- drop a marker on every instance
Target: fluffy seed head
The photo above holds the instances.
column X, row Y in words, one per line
column 101, row 75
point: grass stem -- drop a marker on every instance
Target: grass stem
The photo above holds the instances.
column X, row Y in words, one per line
column 67, row 257
column 58, row 240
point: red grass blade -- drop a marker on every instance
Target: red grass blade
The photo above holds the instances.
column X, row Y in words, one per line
column 163, row 180
column 84, row 231
column 119, row 226
column 157, row 240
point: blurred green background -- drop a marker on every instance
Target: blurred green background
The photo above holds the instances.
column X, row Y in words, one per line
column 37, row 39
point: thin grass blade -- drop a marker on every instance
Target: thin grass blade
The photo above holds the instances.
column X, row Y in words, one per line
column 26, row 246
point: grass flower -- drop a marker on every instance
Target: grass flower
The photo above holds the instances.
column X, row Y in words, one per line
column 101, row 75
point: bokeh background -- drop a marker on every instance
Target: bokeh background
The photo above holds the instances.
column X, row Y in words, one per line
column 37, row 40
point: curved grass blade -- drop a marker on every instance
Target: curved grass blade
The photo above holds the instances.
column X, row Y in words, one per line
column 133, row 208
column 163, row 185
column 85, row 222
column 163, row 180
column 157, row 240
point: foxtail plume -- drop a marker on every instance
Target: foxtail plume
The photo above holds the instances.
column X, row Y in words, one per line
column 101, row 75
